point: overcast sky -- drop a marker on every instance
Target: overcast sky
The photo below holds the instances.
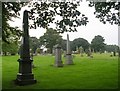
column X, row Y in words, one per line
column 88, row 32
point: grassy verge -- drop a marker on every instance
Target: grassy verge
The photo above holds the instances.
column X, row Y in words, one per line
column 99, row 72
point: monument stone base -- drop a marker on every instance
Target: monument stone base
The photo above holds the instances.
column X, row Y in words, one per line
column 59, row 64
column 25, row 76
column 69, row 60
column 25, row 79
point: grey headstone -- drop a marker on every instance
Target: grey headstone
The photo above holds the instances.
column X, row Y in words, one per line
column 81, row 51
column 89, row 53
column 58, row 56
column 69, row 59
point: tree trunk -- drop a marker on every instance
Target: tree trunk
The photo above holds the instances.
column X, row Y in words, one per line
column 119, row 52
column 51, row 50
column 114, row 53
column 5, row 53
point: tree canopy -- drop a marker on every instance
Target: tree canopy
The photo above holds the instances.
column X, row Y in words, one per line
column 47, row 11
column 34, row 44
column 10, row 10
column 107, row 11
column 46, row 14
column 50, row 38
column 42, row 14
column 98, row 43
column 80, row 42
column 111, row 48
column 11, row 48
column 64, row 44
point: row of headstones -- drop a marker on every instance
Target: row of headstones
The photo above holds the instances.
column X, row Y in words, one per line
column 113, row 54
column 57, row 52
column 89, row 52
column 58, row 55
column 81, row 51
column 68, row 55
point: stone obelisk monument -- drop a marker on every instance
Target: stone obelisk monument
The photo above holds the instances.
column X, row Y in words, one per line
column 25, row 76
column 69, row 59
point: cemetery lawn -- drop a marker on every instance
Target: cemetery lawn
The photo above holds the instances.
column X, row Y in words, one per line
column 99, row 72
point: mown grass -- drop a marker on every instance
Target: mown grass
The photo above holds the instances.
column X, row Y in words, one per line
column 99, row 72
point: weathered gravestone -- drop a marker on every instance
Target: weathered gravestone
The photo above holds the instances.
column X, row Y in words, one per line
column 77, row 50
column 81, row 51
column 89, row 53
column 69, row 59
column 58, row 59
column 25, row 76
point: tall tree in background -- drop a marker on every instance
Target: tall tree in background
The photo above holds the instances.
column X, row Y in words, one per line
column 98, row 43
column 50, row 38
column 80, row 42
column 34, row 44
column 111, row 48
column 64, row 44
column 11, row 48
